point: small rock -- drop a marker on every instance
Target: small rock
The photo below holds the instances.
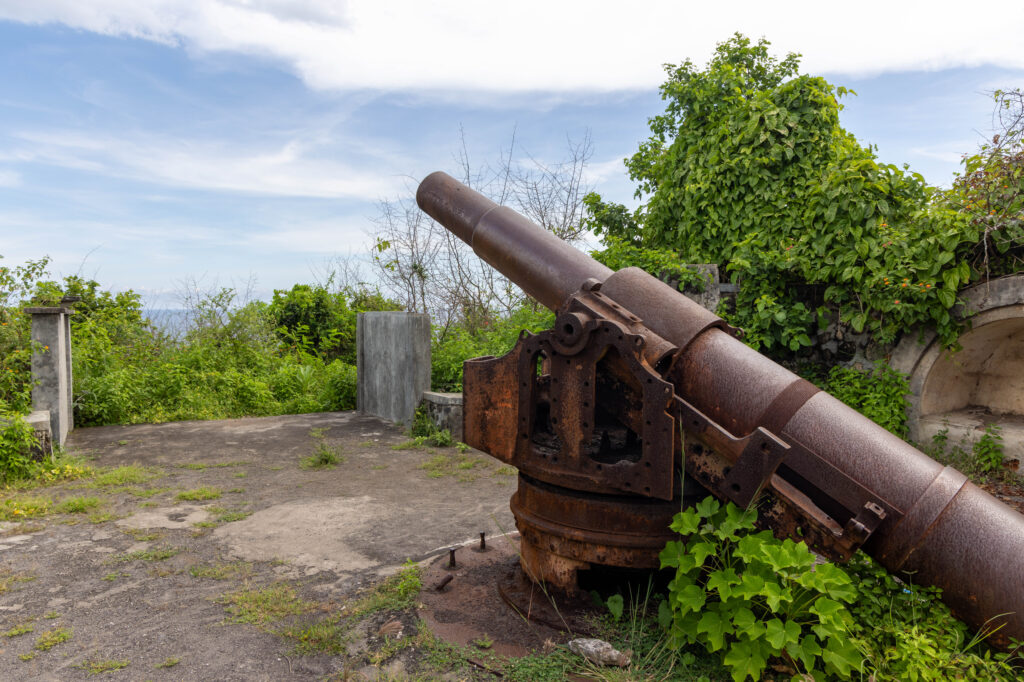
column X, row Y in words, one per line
column 600, row 652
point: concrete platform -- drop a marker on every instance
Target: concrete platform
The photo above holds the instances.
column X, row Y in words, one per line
column 327, row 531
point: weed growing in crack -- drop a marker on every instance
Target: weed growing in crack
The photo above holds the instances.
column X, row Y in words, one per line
column 98, row 666
column 52, row 638
column 324, row 455
column 221, row 571
column 131, row 474
column 198, row 494
column 20, row 629
column 77, row 505
column 263, row 605
column 155, row 554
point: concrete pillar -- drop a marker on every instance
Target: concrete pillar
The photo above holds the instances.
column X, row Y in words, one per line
column 393, row 362
column 51, row 367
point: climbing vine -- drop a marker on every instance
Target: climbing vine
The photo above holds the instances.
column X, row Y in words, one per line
column 749, row 168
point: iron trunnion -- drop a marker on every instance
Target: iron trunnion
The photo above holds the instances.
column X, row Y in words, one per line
column 635, row 383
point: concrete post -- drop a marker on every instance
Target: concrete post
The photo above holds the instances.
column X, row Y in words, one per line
column 393, row 363
column 51, row 367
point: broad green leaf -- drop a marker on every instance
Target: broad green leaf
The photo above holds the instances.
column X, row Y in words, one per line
column 746, row 659
column 715, row 627
column 690, row 598
column 722, row 581
column 615, row 605
column 841, row 655
column 707, row 507
column 664, row 614
column 951, row 278
column 827, row 608
column 686, row 522
column 947, row 297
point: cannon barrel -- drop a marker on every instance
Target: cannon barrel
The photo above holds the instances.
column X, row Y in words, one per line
column 930, row 523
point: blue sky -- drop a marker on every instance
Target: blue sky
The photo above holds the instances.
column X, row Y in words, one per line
column 147, row 144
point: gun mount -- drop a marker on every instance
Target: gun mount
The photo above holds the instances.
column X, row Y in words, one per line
column 635, row 384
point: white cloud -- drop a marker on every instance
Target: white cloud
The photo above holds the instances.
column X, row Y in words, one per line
column 314, row 237
column 9, row 178
column 289, row 169
column 542, row 45
column 949, row 152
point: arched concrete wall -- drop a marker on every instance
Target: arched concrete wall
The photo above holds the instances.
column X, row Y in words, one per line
column 980, row 384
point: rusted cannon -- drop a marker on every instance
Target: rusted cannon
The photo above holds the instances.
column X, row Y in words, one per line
column 635, row 384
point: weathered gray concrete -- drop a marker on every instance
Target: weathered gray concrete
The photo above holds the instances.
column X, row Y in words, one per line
column 393, row 363
column 39, row 420
column 445, row 411
column 983, row 382
column 51, row 367
column 326, row 532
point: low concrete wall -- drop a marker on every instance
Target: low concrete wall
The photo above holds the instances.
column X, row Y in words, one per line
column 445, row 411
column 393, row 362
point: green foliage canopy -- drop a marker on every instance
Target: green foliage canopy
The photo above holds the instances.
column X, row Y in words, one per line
column 749, row 168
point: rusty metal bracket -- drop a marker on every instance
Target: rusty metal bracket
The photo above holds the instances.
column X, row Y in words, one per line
column 581, row 405
column 803, row 494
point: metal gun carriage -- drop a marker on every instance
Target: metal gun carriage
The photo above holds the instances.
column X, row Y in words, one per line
column 636, row 385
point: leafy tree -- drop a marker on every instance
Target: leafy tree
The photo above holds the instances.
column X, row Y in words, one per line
column 318, row 321
column 749, row 168
column 990, row 191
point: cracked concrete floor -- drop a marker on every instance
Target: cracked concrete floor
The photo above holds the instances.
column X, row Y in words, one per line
column 129, row 581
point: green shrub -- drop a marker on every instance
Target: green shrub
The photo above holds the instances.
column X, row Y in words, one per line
column 988, row 450
column 341, row 386
column 18, row 442
column 454, row 345
column 905, row 632
column 751, row 596
column 879, row 394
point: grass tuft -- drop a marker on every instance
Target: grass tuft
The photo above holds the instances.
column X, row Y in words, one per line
column 20, row 629
column 96, row 666
column 202, row 493
column 263, row 605
column 20, row 507
column 221, row 571
column 155, row 554
column 52, row 638
column 77, row 505
column 131, row 474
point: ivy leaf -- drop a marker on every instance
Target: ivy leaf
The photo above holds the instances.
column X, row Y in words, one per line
column 841, row 655
column 669, row 556
column 951, row 278
column 806, row 650
column 686, row 522
column 779, row 634
column 664, row 614
column 701, row 551
column 707, row 507
column 722, row 580
column 690, row 598
column 615, row 605
column 827, row 609
column 746, row 659
column 715, row 627
column 947, row 297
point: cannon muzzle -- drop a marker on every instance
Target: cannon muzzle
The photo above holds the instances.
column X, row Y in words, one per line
column 637, row 384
